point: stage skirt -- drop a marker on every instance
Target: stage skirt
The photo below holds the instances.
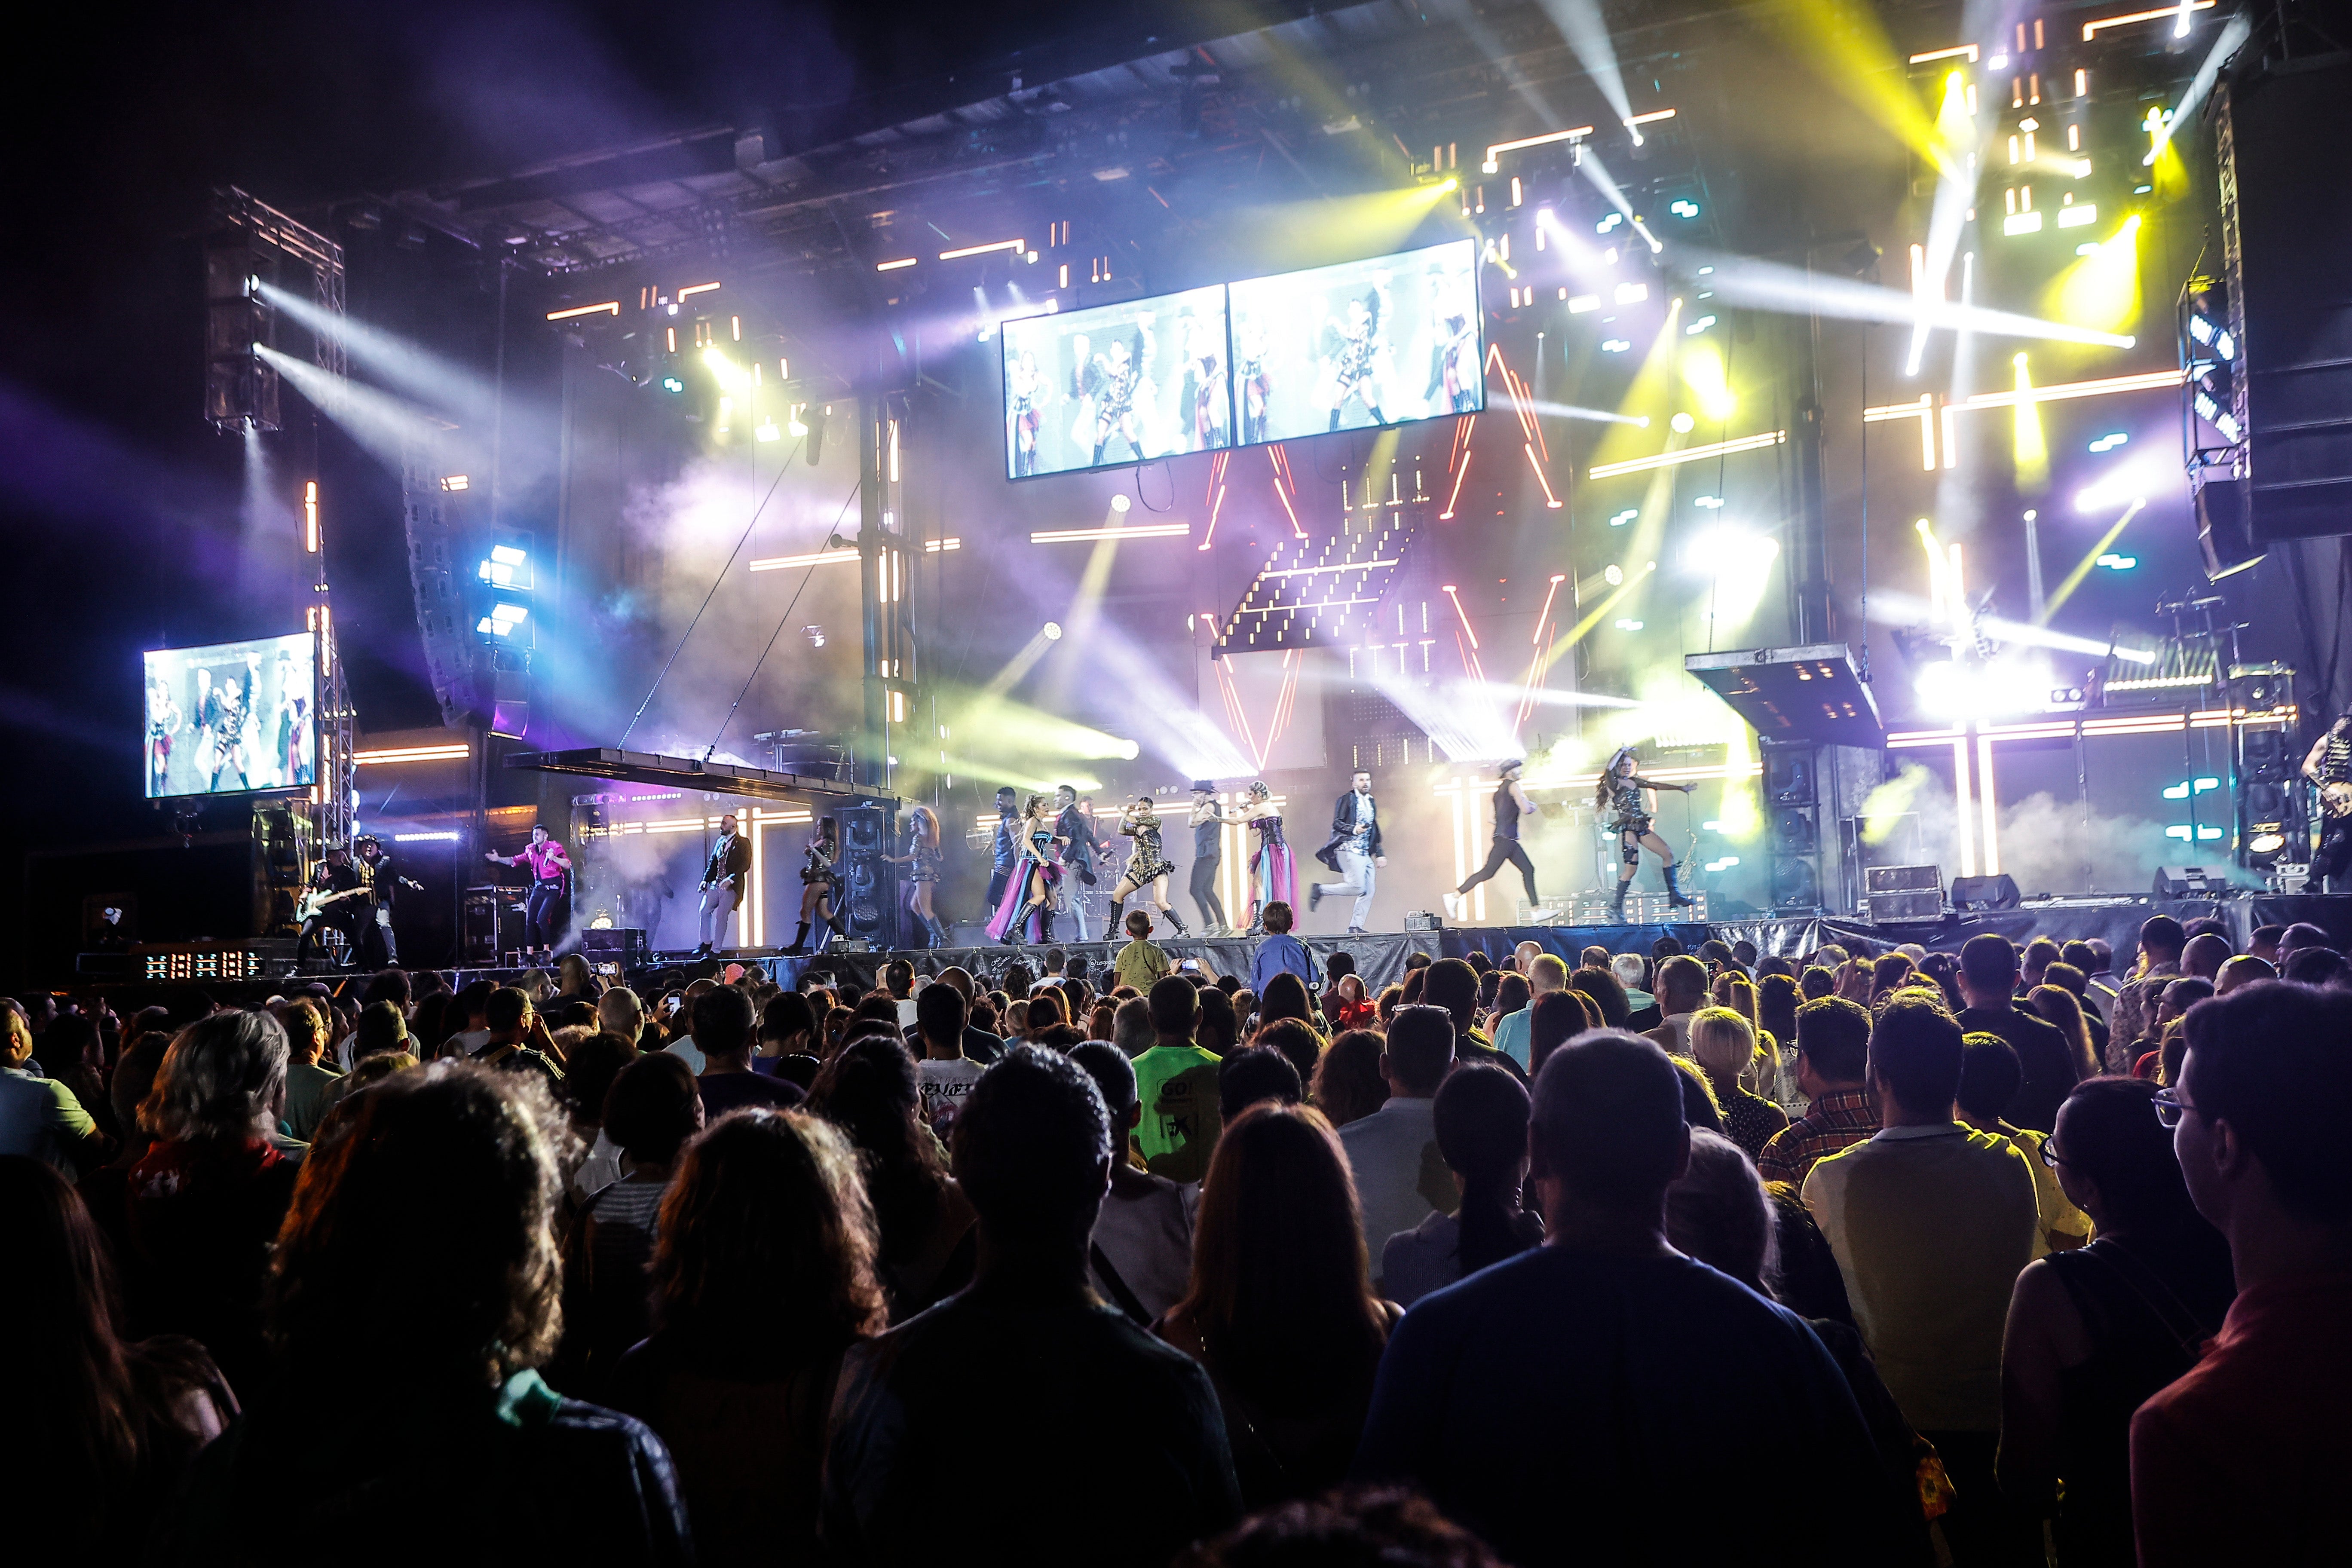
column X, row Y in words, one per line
column 1016, row 888
column 1277, row 874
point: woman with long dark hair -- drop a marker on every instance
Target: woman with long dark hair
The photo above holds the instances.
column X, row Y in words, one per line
column 1557, row 1017
column 2093, row 1332
column 1279, row 1310
column 101, row 1427
column 1607, row 995
column 1347, row 1084
column 1481, row 1121
column 766, row 1226
column 2064, row 1009
column 871, row 1091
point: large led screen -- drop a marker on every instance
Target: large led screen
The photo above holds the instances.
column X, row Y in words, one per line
column 234, row 716
column 1116, row 383
column 1361, row 343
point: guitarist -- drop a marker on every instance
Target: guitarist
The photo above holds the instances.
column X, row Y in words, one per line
column 2329, row 765
column 336, row 901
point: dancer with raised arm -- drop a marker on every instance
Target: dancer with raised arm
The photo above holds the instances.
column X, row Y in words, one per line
column 1511, row 802
column 1208, row 822
column 1621, row 789
column 1026, row 911
column 820, row 889
column 924, row 857
column 550, row 869
column 1274, row 871
column 1146, row 868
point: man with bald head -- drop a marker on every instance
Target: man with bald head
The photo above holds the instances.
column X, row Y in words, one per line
column 2243, row 970
column 2204, row 955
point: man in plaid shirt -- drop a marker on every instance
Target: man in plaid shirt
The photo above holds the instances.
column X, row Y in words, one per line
column 1832, row 1065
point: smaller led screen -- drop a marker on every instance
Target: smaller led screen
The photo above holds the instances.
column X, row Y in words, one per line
column 1116, row 383
column 1378, row 342
column 234, row 716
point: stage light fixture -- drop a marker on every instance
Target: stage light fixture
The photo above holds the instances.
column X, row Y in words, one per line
column 2114, row 562
column 1613, row 574
column 1052, row 631
column 1711, row 503
column 455, row 482
column 1683, row 423
column 672, row 385
column 1622, row 518
column 1118, row 503
column 1695, row 328
column 1614, row 345
column 1632, row 293
column 1629, row 625
column 1683, row 208
column 2110, row 442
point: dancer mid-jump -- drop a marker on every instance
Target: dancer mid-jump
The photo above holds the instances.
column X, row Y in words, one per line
column 1511, row 802
column 1621, row 789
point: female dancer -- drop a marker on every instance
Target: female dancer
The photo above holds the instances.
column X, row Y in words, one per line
column 1274, row 873
column 1148, row 868
column 1621, row 789
column 1027, row 912
column 925, row 855
column 820, row 887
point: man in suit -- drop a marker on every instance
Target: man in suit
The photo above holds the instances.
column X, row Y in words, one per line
column 723, row 879
column 1075, row 830
column 1353, row 851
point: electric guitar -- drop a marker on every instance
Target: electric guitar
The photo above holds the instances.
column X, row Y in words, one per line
column 2335, row 798
column 317, row 902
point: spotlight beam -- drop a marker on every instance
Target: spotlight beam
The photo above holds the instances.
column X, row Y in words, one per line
column 386, row 425
column 1769, row 286
column 2233, row 33
column 1587, row 33
column 415, row 371
column 1600, row 415
column 2083, row 568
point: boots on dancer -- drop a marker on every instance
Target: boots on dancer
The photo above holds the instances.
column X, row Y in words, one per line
column 1172, row 918
column 1617, row 906
column 1118, row 921
column 799, row 941
column 1675, row 897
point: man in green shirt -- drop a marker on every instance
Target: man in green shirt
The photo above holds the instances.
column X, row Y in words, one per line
column 1140, row 963
column 1176, row 1082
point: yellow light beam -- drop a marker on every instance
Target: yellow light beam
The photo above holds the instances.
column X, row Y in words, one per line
column 2084, row 567
column 2032, row 447
column 1668, row 459
column 1847, row 47
column 1599, row 612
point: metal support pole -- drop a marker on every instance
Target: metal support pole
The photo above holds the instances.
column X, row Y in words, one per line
column 872, row 742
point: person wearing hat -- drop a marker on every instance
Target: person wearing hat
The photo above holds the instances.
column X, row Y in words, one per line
column 1209, row 820
column 1007, row 848
column 1511, row 802
column 376, row 869
column 1622, row 790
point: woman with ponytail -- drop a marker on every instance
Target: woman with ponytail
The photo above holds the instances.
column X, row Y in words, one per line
column 1481, row 1121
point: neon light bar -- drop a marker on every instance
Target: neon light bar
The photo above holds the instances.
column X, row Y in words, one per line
column 1140, row 531
column 612, row 305
column 414, row 753
column 2091, row 29
column 1014, row 245
column 814, row 558
column 1544, row 140
column 2063, row 391
column 1687, row 455
column 1955, row 51
column 1654, row 115
column 696, row 288
column 1319, row 571
column 426, row 838
column 894, row 265
column 933, row 546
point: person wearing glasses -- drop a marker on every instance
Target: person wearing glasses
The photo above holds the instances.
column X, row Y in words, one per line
column 2094, row 1332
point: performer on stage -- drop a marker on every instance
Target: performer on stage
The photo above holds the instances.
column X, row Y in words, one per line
column 336, row 901
column 1274, row 873
column 1026, row 911
column 550, row 866
column 2329, row 765
column 1354, row 354
column 1074, row 825
column 1148, row 868
column 163, row 720
column 1353, row 851
column 1006, row 851
column 1256, row 385
column 1511, row 802
column 1621, row 789
column 384, row 882
column 725, row 876
column 1208, row 821
column 925, row 855
column 820, row 889
column 1023, row 405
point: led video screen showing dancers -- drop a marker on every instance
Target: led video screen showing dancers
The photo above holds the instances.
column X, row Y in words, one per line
column 233, row 716
column 1379, row 342
column 1116, row 383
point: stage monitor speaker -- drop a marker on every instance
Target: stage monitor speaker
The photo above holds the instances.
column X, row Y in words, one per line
column 1975, row 894
column 623, row 945
column 2222, row 530
column 2288, row 216
column 2189, row 883
column 1902, row 879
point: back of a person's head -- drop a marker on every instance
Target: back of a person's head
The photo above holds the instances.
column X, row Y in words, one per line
column 1512, row 994
column 878, row 1006
column 218, row 1079
column 589, row 1068
column 2204, row 953
column 1682, row 981
column 870, row 1089
column 432, row 1208
column 1990, row 1076
column 1915, row 1051
column 1279, row 1284
column 2042, row 952
column 941, row 1013
column 1261, row 1072
column 1284, row 997
column 1347, row 1084
column 1629, row 969
column 379, row 1028
column 1553, row 1020
column 1174, row 1004
column 1718, row 1211
column 2267, row 1059
column 504, row 1008
column 1451, row 984
column 69, row 1406
column 1113, row 1076
column 1359, row 1528
column 2112, row 1136
column 1834, row 1034
column 1031, row 1144
column 2160, row 936
column 1608, row 1120
column 1608, row 997
column 1548, row 972
column 1277, row 917
column 2318, row 966
column 134, row 1075
column 1888, row 970
column 787, row 1013
column 653, row 1108
column 1480, row 1118
column 387, row 986
column 1419, row 1048
column 723, row 1022
column 305, row 1026
column 1338, row 966
column 1722, row 1041
column 1989, row 964
column 1295, row 1040
column 767, row 1222
column 1130, row 1027
column 899, row 976
column 1817, row 983
column 1665, row 947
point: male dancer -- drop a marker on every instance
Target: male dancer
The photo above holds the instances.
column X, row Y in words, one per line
column 1007, row 848
column 1208, row 848
column 549, row 866
column 1511, row 802
column 2329, row 765
column 1354, row 851
column 725, row 875
column 384, row 883
column 1075, row 830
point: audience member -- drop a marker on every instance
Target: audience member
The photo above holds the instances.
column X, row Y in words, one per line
column 1141, row 962
column 2203, row 955
column 1832, row 1067
column 2243, row 970
column 2052, row 1067
column 2093, row 1334
column 2132, row 1019
column 1347, row 1084
column 2317, row 966
column 1632, row 973
column 619, row 1012
column 1359, row 1527
column 309, row 1083
column 1176, row 1082
column 1392, row 1153
column 724, row 1025
column 1545, row 974
column 595, row 1061
column 2230, row 1463
column 1547, row 1402
column 40, row 1117
column 1217, row 1026
column 2062, row 1009
column 1930, row 1224
column 1453, row 985
column 652, row 1109
column 1280, row 952
column 1027, row 1362
column 1608, row 996
column 1559, row 1018
column 1681, row 993
column 1279, row 1309
column 1988, row 1080
column 1480, row 1116
column 1722, row 1044
column 2299, row 937
column 422, row 1232
column 871, row 1091
column 1141, row 1251
column 945, row 1076
column 1261, row 1073
column 519, row 1041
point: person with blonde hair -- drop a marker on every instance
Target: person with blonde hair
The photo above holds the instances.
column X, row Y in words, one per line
column 1723, row 1043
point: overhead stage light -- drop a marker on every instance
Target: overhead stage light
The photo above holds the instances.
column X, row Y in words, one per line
column 1683, row 423
column 1052, row 631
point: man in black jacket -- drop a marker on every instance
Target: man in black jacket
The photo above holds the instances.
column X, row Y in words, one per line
column 1353, row 851
column 1076, row 830
column 723, row 879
